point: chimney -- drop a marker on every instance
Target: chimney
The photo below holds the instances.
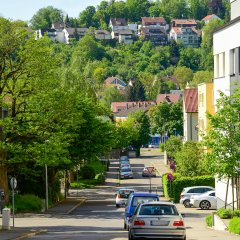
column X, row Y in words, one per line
column 235, row 6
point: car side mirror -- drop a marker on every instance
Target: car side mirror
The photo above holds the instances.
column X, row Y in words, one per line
column 183, row 215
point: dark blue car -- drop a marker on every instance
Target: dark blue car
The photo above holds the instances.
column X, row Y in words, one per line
column 133, row 200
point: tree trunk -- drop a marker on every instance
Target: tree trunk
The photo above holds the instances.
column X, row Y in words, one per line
column 226, row 196
column 233, row 193
column 4, row 181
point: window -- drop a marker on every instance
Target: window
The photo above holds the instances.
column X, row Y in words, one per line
column 137, row 200
column 158, row 210
column 232, row 62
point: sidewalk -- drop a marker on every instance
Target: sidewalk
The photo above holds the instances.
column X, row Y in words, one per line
column 63, row 208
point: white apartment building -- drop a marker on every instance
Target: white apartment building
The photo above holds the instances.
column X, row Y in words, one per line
column 226, row 50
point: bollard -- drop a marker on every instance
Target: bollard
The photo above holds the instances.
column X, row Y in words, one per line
column 6, row 219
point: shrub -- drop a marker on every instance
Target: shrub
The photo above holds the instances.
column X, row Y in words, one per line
column 100, row 177
column 27, row 203
column 209, row 220
column 236, row 213
column 234, row 225
column 179, row 183
column 161, row 147
column 87, row 172
column 225, row 213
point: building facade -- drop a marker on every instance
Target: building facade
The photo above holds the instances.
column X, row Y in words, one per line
column 226, row 50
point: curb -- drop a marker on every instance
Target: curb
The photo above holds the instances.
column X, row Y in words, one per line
column 76, row 206
column 31, row 234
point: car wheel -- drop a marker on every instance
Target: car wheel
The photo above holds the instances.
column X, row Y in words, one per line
column 205, row 205
column 186, row 203
column 130, row 237
column 117, row 205
column 125, row 226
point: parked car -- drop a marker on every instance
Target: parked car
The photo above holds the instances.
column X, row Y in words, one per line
column 133, row 200
column 149, row 172
column 123, row 158
column 124, row 164
column 125, row 172
column 153, row 145
column 157, row 220
column 189, row 191
column 122, row 196
column 206, row 200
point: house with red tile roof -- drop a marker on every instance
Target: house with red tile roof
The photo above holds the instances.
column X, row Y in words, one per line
column 121, row 110
column 116, row 83
column 168, row 98
column 189, row 36
column 190, row 114
column 209, row 18
column 154, row 29
column 183, row 23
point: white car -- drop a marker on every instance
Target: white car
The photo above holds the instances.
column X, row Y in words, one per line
column 207, row 200
column 122, row 196
column 195, row 190
column 125, row 172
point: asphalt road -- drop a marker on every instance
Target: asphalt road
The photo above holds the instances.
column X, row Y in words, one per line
column 99, row 219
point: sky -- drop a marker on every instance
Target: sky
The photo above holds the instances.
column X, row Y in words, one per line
column 25, row 9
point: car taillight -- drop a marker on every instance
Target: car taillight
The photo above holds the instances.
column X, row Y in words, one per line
column 178, row 223
column 181, row 196
column 139, row 223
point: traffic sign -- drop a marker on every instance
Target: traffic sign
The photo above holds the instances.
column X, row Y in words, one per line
column 151, row 169
column 170, row 177
column 13, row 182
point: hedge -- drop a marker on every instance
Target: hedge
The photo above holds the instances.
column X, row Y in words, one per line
column 234, row 225
column 209, row 220
column 228, row 213
column 173, row 189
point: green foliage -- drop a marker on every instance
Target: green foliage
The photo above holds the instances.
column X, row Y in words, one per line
column 190, row 161
column 224, row 136
column 184, row 75
column 234, row 226
column 45, row 17
column 166, row 118
column 27, row 203
column 86, row 183
column 209, row 220
column 173, row 145
column 173, row 189
column 87, row 172
column 225, row 213
column 201, row 77
column 141, row 125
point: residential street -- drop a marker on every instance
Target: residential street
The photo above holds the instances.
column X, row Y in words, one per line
column 98, row 217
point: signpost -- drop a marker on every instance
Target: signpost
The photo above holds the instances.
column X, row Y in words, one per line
column 13, row 184
column 170, row 178
column 150, row 170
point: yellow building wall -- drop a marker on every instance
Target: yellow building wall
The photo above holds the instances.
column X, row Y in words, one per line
column 205, row 104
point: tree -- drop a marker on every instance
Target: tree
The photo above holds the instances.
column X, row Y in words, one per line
column 173, row 145
column 45, row 17
column 198, row 9
column 223, row 138
column 25, row 63
column 189, row 160
column 201, row 77
column 137, row 9
column 190, row 58
column 184, row 75
column 86, row 17
column 136, row 91
column 166, row 118
column 207, row 43
column 110, row 95
column 141, row 124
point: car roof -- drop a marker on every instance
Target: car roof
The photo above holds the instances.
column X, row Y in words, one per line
column 122, row 189
column 140, row 194
column 158, row 203
column 187, row 188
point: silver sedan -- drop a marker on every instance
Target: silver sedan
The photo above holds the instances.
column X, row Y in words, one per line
column 157, row 220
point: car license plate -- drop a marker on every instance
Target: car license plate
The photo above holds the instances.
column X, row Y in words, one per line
column 159, row 223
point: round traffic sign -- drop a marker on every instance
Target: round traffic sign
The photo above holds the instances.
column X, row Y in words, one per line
column 13, row 183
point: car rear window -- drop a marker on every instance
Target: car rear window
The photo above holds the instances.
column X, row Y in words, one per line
column 125, row 193
column 158, row 210
column 142, row 199
column 126, row 170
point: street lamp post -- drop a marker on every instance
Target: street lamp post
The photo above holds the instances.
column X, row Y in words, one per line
column 46, row 181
